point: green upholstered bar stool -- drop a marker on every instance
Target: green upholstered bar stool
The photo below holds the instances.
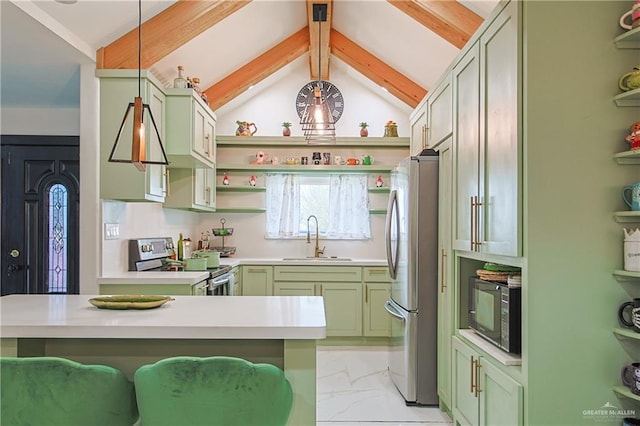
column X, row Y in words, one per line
column 52, row 391
column 212, row 391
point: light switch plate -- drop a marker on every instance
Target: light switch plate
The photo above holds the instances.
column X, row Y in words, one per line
column 111, row 231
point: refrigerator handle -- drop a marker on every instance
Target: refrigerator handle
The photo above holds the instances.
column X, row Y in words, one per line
column 393, row 206
column 393, row 311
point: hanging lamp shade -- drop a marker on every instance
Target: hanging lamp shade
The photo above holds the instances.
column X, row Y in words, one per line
column 138, row 138
column 317, row 122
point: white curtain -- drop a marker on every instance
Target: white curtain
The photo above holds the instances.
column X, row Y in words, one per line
column 349, row 207
column 283, row 205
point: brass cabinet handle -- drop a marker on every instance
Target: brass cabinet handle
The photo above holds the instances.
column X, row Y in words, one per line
column 477, row 237
column 443, row 275
column 478, row 390
column 471, row 213
column 207, row 195
column 206, row 138
column 425, row 143
column 167, row 182
column 473, row 370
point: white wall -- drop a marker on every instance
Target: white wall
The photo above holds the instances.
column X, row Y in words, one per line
column 41, row 121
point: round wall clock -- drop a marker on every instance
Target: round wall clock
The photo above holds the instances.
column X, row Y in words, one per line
column 333, row 98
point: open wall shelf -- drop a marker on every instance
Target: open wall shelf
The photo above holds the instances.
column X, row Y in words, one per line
column 628, row 157
column 288, row 141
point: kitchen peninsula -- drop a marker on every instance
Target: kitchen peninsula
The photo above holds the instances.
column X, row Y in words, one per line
column 278, row 330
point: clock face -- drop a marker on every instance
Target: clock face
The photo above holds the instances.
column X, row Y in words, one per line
column 332, row 97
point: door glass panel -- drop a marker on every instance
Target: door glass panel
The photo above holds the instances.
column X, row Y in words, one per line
column 58, row 213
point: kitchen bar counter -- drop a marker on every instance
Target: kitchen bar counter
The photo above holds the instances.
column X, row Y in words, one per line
column 278, row 330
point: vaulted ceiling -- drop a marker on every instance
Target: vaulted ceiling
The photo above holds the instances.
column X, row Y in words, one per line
column 234, row 44
column 185, row 20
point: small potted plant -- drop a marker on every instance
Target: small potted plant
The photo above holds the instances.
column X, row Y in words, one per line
column 286, row 131
column 363, row 129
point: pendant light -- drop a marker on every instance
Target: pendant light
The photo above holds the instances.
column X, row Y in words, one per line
column 138, row 144
column 317, row 122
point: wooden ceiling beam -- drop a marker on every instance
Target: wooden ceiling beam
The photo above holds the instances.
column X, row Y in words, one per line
column 320, row 47
column 449, row 19
column 376, row 70
column 258, row 69
column 165, row 32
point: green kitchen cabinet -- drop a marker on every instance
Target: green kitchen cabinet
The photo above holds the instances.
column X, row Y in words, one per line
column 236, row 288
column 191, row 130
column 198, row 289
column 122, row 181
column 487, row 146
column 257, row 280
column 289, row 288
column 377, row 290
column 340, row 286
column 418, row 128
column 191, row 189
column 445, row 273
column 343, row 308
column 440, row 113
column 482, row 393
column 377, row 322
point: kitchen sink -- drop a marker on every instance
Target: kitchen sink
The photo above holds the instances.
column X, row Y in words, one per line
column 320, row 259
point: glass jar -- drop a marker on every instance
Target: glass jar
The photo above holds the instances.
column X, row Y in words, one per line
column 180, row 82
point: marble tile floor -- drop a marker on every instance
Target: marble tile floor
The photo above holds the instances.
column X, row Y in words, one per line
column 354, row 389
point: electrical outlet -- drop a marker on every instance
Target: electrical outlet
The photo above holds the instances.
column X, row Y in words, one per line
column 111, row 231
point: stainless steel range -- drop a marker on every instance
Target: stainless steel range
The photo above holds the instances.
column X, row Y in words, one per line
column 151, row 254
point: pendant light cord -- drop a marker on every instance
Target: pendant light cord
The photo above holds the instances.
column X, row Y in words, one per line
column 139, row 43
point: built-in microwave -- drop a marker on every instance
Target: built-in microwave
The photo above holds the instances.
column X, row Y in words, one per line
column 495, row 313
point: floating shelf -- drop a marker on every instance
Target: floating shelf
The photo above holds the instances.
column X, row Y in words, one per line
column 283, row 168
column 377, row 211
column 626, row 276
column 379, row 190
column 626, row 334
column 627, row 217
column 628, row 99
column 628, row 40
column 241, row 210
column 230, row 188
column 300, row 141
column 628, row 157
column 625, row 392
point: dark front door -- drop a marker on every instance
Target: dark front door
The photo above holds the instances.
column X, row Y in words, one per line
column 40, row 214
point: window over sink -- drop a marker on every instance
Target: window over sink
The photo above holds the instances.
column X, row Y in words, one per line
column 339, row 201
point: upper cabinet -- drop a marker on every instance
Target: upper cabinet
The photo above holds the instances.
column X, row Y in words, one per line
column 418, row 124
column 122, row 181
column 440, row 113
column 487, row 146
column 432, row 120
column 191, row 131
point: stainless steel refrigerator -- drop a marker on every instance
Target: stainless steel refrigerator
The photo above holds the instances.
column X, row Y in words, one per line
column 412, row 253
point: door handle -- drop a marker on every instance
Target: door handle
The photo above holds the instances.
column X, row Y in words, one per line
column 392, row 311
column 478, row 390
column 14, row 268
column 443, row 274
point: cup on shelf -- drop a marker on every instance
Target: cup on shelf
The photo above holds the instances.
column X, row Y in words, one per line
column 630, row 375
column 631, row 196
column 632, row 249
column 633, row 307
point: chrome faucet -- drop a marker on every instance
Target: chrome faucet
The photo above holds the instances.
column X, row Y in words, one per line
column 317, row 252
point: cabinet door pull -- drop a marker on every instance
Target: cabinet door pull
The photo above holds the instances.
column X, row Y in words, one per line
column 471, row 213
column 473, row 370
column 443, row 272
column 477, row 235
column 167, row 182
column 478, row 390
column 207, row 144
column 366, row 293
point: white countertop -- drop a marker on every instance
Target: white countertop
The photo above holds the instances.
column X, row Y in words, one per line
column 187, row 317
column 194, row 277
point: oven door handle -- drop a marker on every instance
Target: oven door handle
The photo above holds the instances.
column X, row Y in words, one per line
column 218, row 283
